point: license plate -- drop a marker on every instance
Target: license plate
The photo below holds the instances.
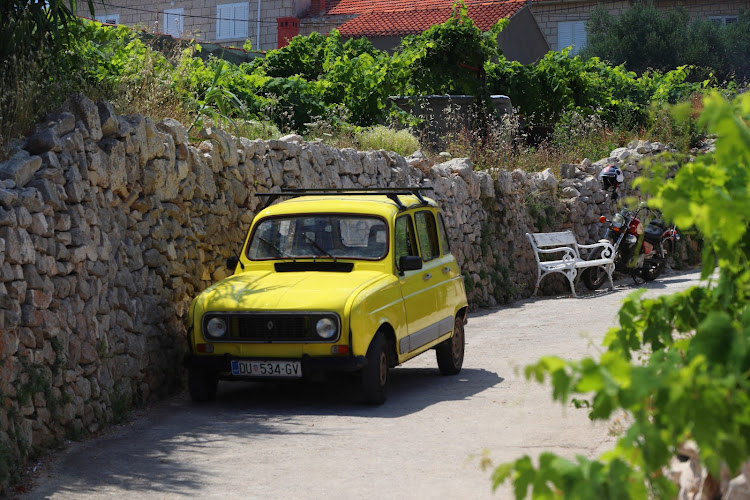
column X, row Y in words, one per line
column 246, row 368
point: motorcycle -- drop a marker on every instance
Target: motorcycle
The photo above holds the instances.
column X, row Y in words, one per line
column 639, row 251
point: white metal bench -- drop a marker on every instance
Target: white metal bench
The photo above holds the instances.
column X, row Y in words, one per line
column 565, row 251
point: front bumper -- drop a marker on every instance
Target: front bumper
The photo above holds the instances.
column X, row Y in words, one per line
column 221, row 364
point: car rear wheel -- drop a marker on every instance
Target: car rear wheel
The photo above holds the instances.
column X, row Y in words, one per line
column 202, row 385
column 375, row 373
column 450, row 353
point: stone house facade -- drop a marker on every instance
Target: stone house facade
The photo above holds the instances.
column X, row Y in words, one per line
column 563, row 21
column 226, row 22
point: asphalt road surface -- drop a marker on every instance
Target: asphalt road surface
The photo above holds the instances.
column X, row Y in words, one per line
column 315, row 441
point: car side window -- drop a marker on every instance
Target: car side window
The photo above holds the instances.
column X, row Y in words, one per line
column 444, row 241
column 427, row 235
column 405, row 244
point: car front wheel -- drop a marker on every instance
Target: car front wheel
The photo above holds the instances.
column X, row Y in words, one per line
column 375, row 373
column 450, row 353
column 202, row 385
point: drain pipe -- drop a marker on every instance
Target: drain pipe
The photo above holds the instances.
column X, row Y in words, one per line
column 257, row 29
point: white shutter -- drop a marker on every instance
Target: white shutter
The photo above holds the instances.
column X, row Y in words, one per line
column 579, row 36
column 241, row 15
column 564, row 35
column 233, row 20
column 173, row 22
column 571, row 33
column 224, row 21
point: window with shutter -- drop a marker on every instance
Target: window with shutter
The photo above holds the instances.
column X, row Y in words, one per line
column 571, row 33
column 723, row 20
column 109, row 19
column 173, row 19
column 564, row 35
column 233, row 20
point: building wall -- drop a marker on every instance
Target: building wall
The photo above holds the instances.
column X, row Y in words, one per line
column 522, row 40
column 549, row 14
column 200, row 17
column 322, row 25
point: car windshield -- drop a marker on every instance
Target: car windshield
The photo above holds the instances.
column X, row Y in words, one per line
column 335, row 236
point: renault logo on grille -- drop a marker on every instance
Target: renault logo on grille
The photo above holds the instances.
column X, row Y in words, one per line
column 269, row 325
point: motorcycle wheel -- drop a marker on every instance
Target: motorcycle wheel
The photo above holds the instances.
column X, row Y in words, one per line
column 594, row 277
column 652, row 269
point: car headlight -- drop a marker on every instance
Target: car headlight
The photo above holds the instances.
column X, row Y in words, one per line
column 216, row 328
column 326, row 328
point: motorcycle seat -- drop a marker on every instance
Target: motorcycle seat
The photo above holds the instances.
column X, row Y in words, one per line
column 653, row 234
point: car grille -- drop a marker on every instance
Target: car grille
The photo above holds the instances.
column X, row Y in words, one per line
column 269, row 328
column 272, row 327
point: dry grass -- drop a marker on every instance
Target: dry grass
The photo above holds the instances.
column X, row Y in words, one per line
column 23, row 98
column 505, row 145
column 148, row 90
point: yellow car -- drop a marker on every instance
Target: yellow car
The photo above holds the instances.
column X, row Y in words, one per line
column 353, row 280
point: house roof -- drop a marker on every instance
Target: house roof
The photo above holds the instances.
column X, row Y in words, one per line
column 403, row 17
column 365, row 6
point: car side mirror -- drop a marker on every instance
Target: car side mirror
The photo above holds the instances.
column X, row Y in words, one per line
column 410, row 263
column 232, row 262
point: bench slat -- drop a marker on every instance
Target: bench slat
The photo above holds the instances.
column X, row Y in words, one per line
column 562, row 238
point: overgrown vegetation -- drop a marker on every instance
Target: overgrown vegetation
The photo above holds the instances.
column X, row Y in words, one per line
column 324, row 87
column 679, row 364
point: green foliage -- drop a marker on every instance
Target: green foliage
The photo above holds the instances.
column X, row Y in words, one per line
column 678, row 364
column 380, row 137
column 560, row 85
column 449, row 58
column 28, row 26
column 542, row 211
column 325, row 84
column 218, row 102
column 645, row 38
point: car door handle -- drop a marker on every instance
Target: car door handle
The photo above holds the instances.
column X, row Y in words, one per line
column 446, row 270
column 426, row 277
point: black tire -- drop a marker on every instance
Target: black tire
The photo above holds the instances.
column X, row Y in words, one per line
column 202, row 385
column 594, row 277
column 375, row 373
column 652, row 269
column 450, row 353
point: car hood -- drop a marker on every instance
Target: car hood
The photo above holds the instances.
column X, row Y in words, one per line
column 299, row 291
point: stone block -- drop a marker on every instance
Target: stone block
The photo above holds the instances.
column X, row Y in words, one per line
column 20, row 168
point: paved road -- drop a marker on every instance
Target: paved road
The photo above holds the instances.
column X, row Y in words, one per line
column 314, row 442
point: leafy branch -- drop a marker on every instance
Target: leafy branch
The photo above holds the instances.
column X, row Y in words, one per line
column 679, row 365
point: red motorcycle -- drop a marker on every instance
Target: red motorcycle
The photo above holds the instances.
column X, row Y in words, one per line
column 639, row 251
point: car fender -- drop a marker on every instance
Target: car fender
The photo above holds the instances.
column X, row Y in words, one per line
column 372, row 307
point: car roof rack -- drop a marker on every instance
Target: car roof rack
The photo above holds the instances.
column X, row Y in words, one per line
column 392, row 193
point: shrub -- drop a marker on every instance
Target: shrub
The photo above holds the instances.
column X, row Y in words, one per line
column 645, row 38
column 380, row 137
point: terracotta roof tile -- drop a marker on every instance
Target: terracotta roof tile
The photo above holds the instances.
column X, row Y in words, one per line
column 416, row 19
column 365, row 6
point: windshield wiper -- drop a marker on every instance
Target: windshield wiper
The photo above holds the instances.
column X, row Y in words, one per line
column 318, row 247
column 279, row 251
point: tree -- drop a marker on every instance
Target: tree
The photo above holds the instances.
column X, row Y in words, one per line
column 450, row 58
column 644, row 38
column 33, row 25
column 641, row 37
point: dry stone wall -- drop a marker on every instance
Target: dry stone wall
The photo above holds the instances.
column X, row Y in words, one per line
column 110, row 225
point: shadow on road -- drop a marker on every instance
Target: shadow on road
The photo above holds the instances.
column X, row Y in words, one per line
column 169, row 448
column 410, row 390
